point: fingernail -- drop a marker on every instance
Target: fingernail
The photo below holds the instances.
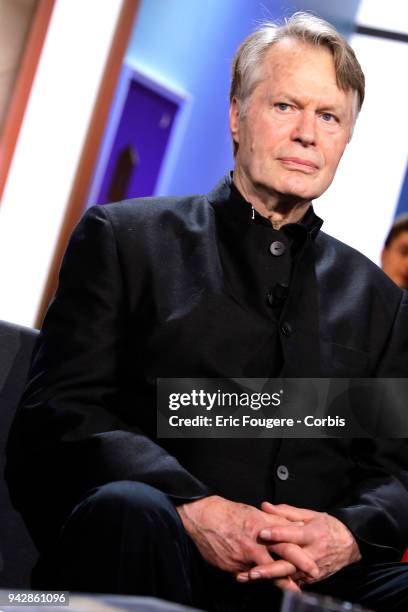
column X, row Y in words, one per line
column 242, row 578
column 254, row 575
column 315, row 573
column 266, row 533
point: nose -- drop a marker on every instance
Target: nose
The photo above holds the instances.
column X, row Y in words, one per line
column 304, row 131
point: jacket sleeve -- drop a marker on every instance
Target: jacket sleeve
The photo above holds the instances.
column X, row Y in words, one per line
column 68, row 424
column 377, row 507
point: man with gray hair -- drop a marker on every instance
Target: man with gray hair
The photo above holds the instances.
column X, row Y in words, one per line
column 239, row 283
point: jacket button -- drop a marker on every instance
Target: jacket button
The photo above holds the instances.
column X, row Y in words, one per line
column 286, row 328
column 277, row 248
column 282, row 472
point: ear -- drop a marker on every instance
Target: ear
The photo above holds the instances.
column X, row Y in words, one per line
column 234, row 119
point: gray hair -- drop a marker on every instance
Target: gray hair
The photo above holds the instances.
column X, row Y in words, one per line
column 307, row 28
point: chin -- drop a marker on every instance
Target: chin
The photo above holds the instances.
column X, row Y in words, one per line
column 303, row 192
column 303, row 189
column 305, row 195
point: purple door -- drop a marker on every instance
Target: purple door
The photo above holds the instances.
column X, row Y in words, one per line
column 139, row 145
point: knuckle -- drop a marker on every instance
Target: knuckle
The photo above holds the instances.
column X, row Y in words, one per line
column 249, row 548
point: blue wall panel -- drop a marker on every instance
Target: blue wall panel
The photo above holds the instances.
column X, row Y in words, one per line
column 402, row 206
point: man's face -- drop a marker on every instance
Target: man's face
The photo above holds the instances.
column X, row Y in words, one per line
column 296, row 125
column 394, row 260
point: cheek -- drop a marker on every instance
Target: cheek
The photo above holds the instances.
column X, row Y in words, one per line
column 333, row 153
column 395, row 261
column 269, row 135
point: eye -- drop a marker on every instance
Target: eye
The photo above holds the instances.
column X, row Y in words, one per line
column 328, row 117
column 282, row 106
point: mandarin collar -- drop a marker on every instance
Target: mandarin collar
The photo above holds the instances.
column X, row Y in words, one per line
column 227, row 201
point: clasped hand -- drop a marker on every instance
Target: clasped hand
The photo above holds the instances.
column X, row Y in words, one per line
column 291, row 546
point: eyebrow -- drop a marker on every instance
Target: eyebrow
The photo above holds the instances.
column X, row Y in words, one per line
column 331, row 108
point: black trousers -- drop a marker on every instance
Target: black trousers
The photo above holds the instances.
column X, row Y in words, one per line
column 127, row 537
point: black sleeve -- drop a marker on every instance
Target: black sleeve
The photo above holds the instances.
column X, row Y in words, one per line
column 68, row 425
column 377, row 507
column 393, row 362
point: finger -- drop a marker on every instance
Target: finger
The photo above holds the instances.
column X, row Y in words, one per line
column 285, row 533
column 278, row 523
column 261, row 556
column 286, row 584
column 281, row 520
column 289, row 512
column 297, row 556
column 276, row 569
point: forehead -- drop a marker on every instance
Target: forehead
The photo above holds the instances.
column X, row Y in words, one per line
column 401, row 239
column 301, row 67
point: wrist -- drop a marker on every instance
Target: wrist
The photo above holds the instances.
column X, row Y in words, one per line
column 342, row 532
column 190, row 512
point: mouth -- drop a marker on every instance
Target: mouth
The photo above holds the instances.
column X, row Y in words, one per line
column 299, row 164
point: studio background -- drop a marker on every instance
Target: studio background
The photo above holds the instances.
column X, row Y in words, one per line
column 126, row 97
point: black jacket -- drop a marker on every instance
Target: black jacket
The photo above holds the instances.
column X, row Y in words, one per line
column 160, row 287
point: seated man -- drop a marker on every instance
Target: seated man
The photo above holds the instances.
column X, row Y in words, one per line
column 394, row 256
column 241, row 282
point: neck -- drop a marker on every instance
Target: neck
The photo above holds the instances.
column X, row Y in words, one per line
column 279, row 209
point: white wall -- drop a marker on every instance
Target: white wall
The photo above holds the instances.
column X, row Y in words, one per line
column 360, row 205
column 48, row 149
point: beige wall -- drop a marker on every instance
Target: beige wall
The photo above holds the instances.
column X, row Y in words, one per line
column 56, row 142
column 15, row 20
